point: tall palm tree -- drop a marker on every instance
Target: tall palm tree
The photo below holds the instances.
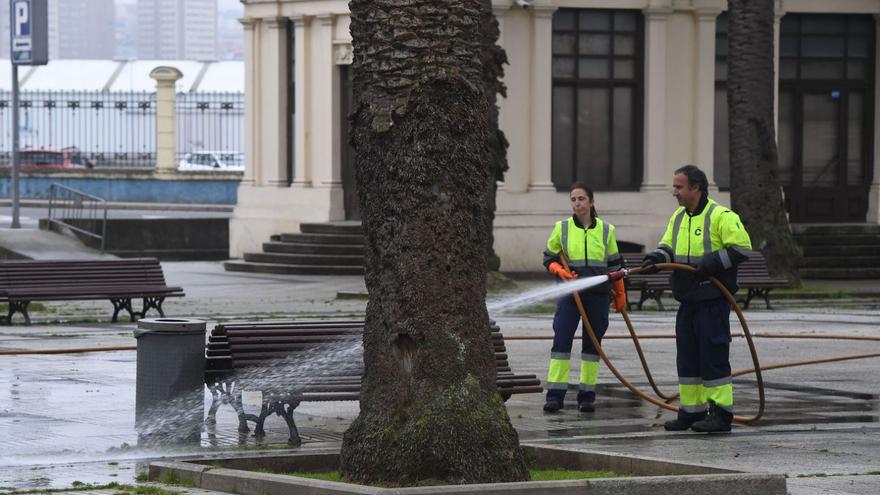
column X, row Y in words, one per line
column 420, row 130
column 755, row 189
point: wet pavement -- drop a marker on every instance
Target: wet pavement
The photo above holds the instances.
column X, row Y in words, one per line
column 70, row 417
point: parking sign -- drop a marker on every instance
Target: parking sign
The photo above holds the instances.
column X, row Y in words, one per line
column 29, row 32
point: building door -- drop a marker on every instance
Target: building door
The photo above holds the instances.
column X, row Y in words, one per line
column 349, row 184
column 825, row 126
column 822, row 155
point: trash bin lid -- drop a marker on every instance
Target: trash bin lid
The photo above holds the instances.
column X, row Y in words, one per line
column 176, row 326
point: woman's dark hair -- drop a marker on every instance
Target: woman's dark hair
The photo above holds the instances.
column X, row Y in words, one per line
column 696, row 177
column 581, row 185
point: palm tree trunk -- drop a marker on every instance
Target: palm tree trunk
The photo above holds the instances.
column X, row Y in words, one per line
column 429, row 408
column 755, row 189
column 493, row 60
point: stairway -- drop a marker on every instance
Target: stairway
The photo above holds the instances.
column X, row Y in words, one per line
column 333, row 248
column 839, row 251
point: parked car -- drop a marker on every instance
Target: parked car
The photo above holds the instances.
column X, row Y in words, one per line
column 71, row 157
column 219, row 161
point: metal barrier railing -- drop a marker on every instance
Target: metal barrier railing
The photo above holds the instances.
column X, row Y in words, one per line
column 78, row 211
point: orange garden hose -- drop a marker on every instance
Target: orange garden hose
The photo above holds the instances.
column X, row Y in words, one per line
column 757, row 369
column 632, row 388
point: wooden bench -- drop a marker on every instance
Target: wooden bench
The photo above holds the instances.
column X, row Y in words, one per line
column 752, row 275
column 308, row 361
column 119, row 280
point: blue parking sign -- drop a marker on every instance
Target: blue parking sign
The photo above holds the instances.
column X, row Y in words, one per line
column 29, row 32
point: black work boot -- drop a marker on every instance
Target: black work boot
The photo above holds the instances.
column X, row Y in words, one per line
column 681, row 424
column 717, row 421
column 586, row 407
column 677, row 424
column 553, row 406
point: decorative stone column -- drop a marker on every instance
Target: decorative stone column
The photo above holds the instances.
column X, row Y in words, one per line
column 166, row 117
column 324, row 152
column 273, row 87
column 704, row 125
column 541, row 101
column 514, row 110
column 655, row 174
column 251, row 128
column 302, row 174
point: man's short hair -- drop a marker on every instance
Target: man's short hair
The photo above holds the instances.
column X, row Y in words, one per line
column 696, row 177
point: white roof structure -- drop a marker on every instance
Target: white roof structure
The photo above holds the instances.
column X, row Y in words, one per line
column 124, row 76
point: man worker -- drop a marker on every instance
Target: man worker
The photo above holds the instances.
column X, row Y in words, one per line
column 711, row 238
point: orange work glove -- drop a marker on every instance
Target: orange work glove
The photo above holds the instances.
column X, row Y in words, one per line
column 558, row 270
column 619, row 300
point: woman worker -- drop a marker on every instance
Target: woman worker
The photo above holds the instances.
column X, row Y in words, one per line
column 589, row 245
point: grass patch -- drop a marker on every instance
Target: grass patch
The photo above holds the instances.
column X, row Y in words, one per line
column 566, row 474
column 830, row 475
column 536, row 474
column 79, row 486
column 541, row 308
column 32, row 307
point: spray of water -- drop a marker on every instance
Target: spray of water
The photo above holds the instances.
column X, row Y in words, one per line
column 543, row 293
column 179, row 420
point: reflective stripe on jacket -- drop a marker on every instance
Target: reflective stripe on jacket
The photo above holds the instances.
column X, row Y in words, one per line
column 590, row 251
column 714, row 237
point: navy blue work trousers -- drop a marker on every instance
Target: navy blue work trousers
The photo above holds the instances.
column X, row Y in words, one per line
column 702, row 339
column 565, row 325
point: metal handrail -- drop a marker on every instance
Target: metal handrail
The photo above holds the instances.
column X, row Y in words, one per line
column 77, row 205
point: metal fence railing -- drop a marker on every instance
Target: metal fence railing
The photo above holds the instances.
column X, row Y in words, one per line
column 80, row 212
column 211, row 123
column 101, row 129
column 107, row 130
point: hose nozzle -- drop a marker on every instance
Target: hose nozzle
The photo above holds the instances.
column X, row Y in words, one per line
column 619, row 274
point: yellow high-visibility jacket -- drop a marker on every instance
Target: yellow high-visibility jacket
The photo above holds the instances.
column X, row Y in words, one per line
column 712, row 236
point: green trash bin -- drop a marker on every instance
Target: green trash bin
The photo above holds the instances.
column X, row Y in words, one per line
column 169, row 402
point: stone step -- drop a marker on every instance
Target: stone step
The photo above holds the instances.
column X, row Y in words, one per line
column 305, row 248
column 854, row 273
column 835, row 229
column 835, row 262
column 244, row 266
column 343, row 228
column 843, row 250
column 838, row 239
column 348, row 239
column 306, row 259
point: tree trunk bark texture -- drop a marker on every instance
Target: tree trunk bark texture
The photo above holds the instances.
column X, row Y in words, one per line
column 755, row 190
column 430, row 412
column 493, row 60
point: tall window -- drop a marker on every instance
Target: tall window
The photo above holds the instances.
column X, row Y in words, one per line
column 597, row 98
column 825, row 86
column 722, row 138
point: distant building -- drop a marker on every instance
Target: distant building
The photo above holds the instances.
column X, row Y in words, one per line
column 177, row 29
column 81, row 29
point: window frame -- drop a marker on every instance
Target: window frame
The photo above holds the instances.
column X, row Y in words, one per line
column 635, row 84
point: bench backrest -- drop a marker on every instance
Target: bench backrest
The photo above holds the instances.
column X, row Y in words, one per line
column 81, row 273
column 238, row 345
column 754, row 269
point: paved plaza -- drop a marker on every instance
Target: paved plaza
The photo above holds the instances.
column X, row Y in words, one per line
column 70, row 417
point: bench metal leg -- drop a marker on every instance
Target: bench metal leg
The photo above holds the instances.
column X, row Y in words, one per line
column 235, row 402
column 153, row 303
column 287, row 413
column 216, row 402
column 654, row 294
column 18, row 307
column 120, row 303
column 762, row 293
